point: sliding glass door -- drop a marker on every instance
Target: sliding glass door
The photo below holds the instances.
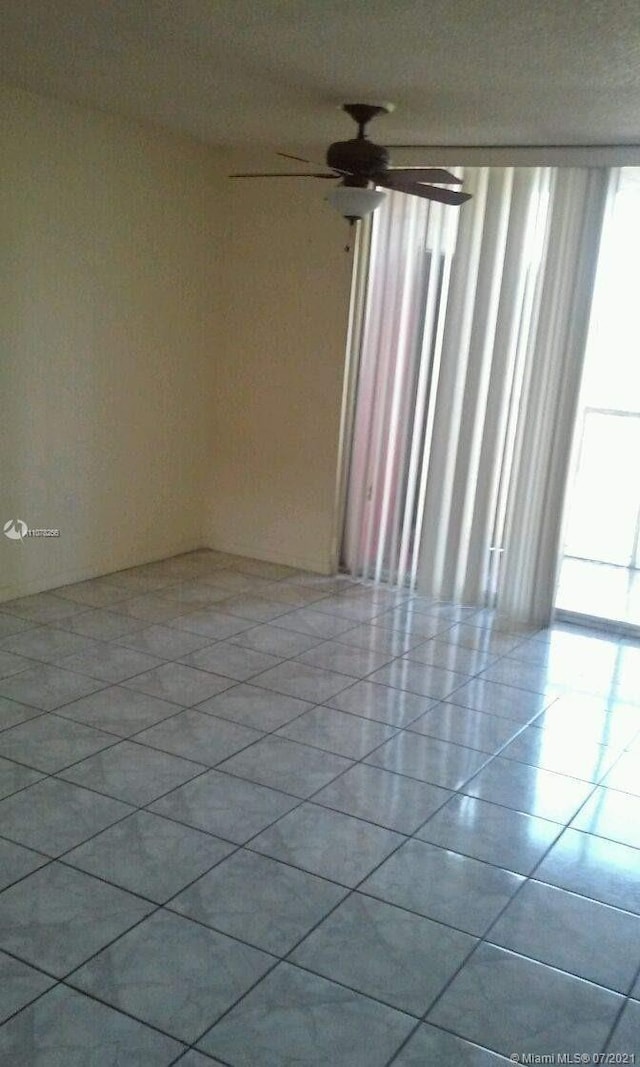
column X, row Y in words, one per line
column 600, row 575
column 604, row 514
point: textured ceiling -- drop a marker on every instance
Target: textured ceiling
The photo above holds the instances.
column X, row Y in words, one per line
column 273, row 71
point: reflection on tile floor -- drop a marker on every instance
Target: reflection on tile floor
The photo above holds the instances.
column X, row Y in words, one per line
column 256, row 817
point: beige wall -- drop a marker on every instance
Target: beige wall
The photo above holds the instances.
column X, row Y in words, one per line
column 173, row 350
column 110, row 279
column 277, row 401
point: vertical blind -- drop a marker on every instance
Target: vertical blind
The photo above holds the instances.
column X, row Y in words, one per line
column 408, row 275
column 472, row 348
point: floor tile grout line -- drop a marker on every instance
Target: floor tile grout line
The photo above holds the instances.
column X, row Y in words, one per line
column 469, row 677
column 59, row 858
column 191, row 1048
column 438, row 1026
column 235, row 1003
column 253, row 623
column 32, row 718
column 23, row 1007
column 633, row 984
column 551, row 770
column 63, row 858
column 67, row 978
column 154, row 910
column 118, row 739
column 34, row 966
column 553, row 966
column 328, row 807
column 437, row 701
column 21, row 704
column 561, row 827
column 623, row 1007
column 59, row 775
column 52, row 774
column 361, row 760
column 339, row 982
column 179, row 708
column 157, row 905
column 122, row 1011
column 499, row 752
column 616, row 1020
column 122, row 683
column 412, row 1033
column 569, row 826
column 65, row 703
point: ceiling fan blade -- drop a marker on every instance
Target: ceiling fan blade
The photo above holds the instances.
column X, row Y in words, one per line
column 285, row 174
column 427, row 174
column 427, row 192
column 313, row 163
column 285, row 155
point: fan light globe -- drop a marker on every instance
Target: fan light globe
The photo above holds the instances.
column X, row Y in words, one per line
column 354, row 203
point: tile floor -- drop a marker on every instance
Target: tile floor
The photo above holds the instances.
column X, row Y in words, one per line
column 256, row 817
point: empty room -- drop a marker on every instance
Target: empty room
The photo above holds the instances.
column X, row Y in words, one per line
column 319, row 533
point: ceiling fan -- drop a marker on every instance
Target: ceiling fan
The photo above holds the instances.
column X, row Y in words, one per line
column 361, row 166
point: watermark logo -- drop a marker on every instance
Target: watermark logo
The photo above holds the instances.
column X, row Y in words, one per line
column 17, row 530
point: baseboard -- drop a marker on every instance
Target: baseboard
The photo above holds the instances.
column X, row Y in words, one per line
column 249, row 551
column 106, row 566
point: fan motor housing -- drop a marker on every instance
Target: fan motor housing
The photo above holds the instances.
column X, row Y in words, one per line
column 358, row 156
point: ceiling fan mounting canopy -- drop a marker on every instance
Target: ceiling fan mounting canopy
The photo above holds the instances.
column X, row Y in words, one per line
column 363, row 113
